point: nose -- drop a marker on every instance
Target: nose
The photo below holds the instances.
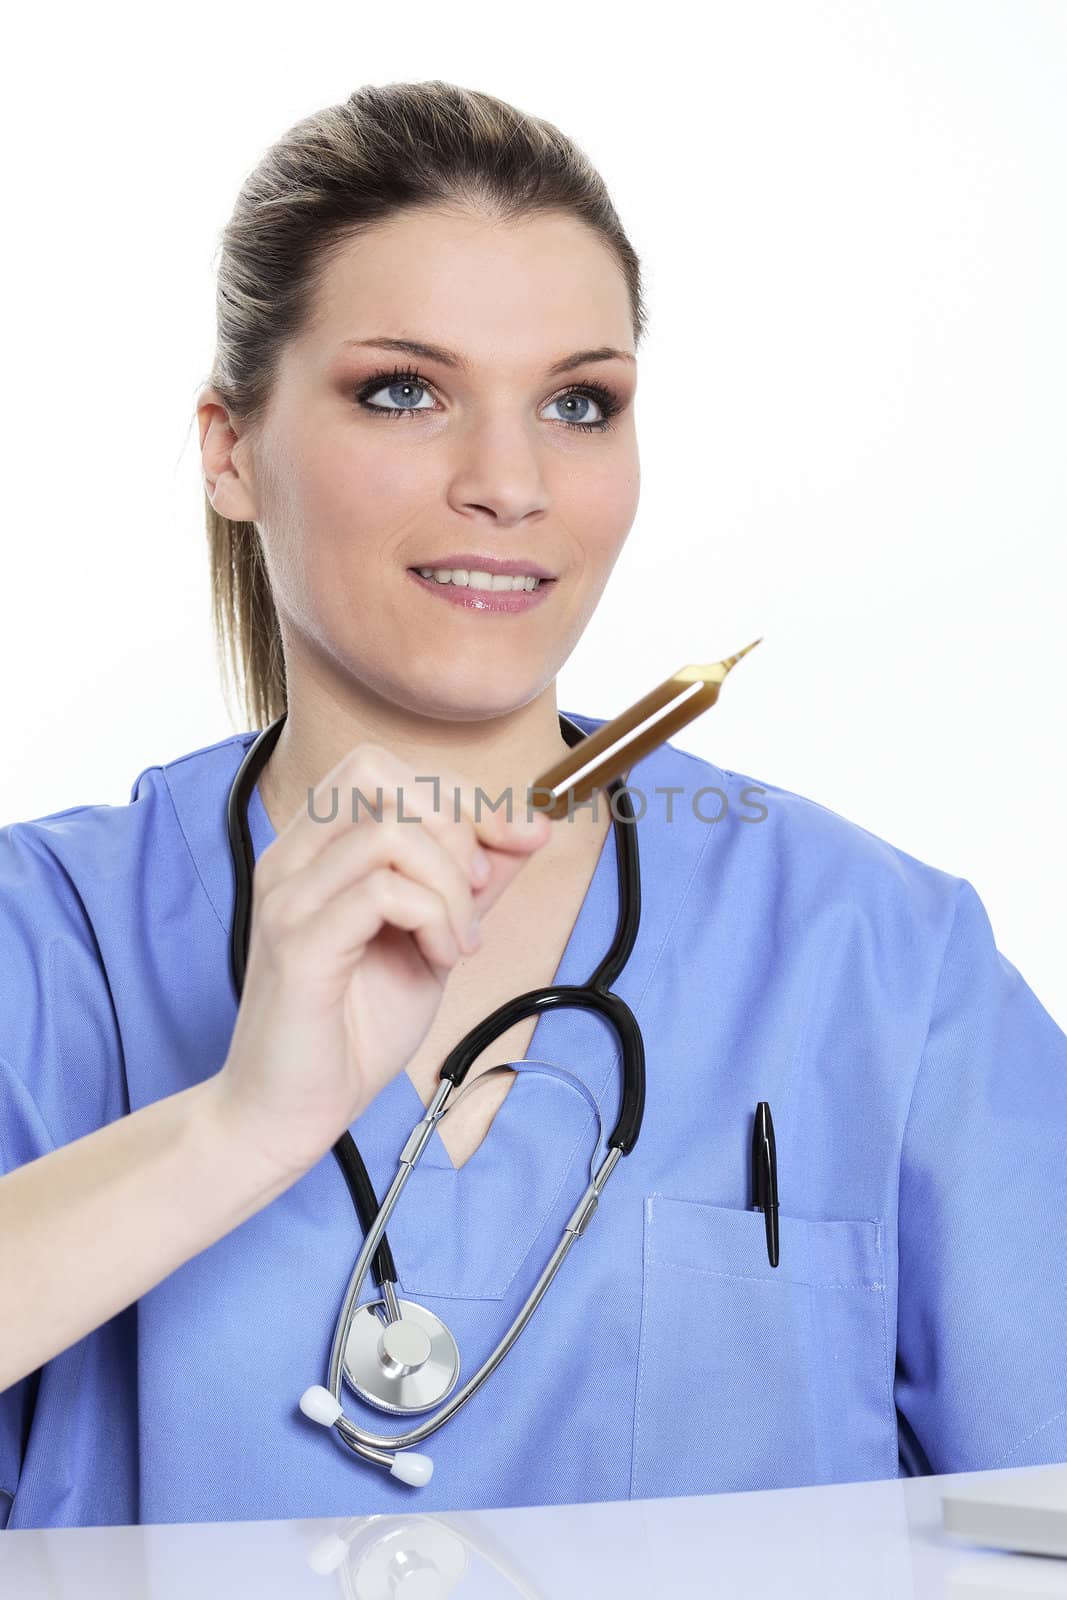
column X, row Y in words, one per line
column 499, row 470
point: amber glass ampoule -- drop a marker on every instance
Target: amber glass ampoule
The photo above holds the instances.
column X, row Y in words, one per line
column 614, row 748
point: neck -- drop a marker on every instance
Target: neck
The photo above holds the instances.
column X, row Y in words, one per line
column 501, row 754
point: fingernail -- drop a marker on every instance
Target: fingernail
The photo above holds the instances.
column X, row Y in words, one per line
column 479, row 866
column 474, row 934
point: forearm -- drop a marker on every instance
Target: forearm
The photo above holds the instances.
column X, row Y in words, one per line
column 89, row 1228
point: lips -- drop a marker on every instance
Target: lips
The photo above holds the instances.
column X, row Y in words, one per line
column 467, row 561
column 484, row 600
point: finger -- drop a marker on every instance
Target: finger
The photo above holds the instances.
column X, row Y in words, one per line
column 362, row 784
column 504, row 868
column 372, row 784
column 358, row 852
column 320, row 953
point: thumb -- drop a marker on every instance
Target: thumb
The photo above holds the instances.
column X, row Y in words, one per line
column 506, row 862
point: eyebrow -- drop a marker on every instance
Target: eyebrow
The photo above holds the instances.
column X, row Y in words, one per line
column 449, row 358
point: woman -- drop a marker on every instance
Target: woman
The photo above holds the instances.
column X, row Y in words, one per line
column 428, row 316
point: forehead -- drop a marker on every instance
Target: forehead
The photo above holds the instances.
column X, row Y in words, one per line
column 499, row 292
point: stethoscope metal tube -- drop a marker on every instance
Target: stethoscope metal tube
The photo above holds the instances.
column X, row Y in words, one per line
column 407, row 1352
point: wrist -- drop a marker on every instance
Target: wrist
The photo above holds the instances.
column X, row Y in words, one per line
column 251, row 1142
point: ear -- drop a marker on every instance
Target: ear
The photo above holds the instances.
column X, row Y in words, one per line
column 227, row 476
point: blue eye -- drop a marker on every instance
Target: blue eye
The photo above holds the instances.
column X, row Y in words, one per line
column 582, row 399
column 400, row 382
column 399, row 386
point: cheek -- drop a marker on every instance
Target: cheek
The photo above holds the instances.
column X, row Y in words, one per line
column 622, row 495
column 600, row 505
column 355, row 496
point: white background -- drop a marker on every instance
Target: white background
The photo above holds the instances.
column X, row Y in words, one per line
column 852, row 405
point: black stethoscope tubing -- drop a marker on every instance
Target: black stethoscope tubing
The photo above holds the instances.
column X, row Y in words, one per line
column 595, row 995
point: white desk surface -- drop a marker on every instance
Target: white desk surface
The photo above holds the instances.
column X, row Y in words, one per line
column 882, row 1540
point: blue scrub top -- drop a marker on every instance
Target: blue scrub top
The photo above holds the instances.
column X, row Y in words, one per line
column 918, row 1318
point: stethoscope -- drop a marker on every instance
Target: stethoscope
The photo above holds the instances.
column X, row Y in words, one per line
column 395, row 1354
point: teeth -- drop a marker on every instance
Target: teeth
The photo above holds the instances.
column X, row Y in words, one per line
column 478, row 580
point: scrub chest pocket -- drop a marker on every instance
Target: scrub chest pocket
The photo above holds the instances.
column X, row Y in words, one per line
column 758, row 1377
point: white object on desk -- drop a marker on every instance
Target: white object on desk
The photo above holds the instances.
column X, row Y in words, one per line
column 1023, row 1511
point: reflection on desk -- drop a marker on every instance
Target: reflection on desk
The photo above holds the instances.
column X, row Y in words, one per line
column 878, row 1540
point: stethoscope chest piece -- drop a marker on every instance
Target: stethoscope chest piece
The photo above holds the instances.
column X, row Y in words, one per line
column 403, row 1366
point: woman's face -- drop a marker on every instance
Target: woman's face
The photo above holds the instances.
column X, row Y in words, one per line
column 375, row 460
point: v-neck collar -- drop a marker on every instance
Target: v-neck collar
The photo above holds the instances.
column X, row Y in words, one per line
column 587, row 944
column 534, row 1161
column 593, row 914
column 465, row 1232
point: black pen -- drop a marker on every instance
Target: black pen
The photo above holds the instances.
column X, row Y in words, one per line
column 765, row 1176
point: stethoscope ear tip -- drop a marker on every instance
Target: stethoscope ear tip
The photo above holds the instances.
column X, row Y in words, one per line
column 410, row 1467
column 319, row 1404
column 407, row 1465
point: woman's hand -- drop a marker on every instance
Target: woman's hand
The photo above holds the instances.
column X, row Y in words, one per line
column 355, row 929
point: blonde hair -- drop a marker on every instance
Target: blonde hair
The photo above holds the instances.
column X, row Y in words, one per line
column 332, row 176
